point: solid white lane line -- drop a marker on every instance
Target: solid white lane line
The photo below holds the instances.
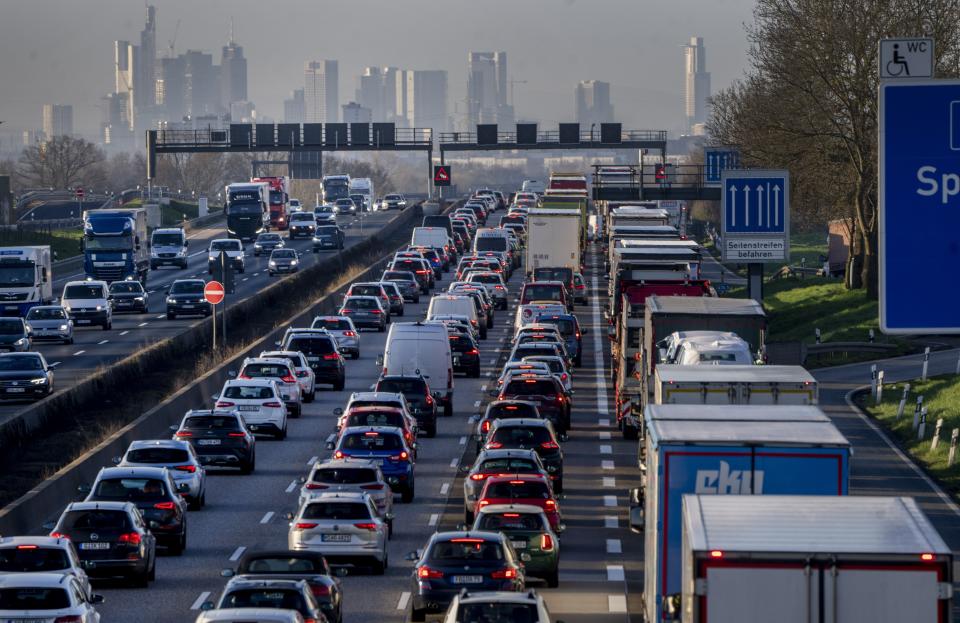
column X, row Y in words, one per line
column 79, row 352
column 444, row 488
column 609, row 482
column 614, row 546
column 291, row 486
column 604, row 435
column 404, row 600
column 124, row 332
column 434, row 518
column 102, row 342
column 609, row 500
column 267, row 517
column 615, row 573
column 143, row 324
column 237, row 553
column 463, row 441
column 606, row 449
column 617, row 604
column 312, row 460
column 53, row 364
column 245, row 278
column 610, row 521
column 161, row 316
column 199, row 602
column 606, row 464
column 454, row 462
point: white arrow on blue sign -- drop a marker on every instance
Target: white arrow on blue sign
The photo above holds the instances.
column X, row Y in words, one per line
column 717, row 160
column 755, row 201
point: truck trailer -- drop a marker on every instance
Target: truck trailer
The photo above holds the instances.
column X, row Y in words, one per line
column 553, row 238
column 26, row 279
column 734, row 385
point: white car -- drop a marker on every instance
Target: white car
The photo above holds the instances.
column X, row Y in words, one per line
column 343, row 525
column 46, row 554
column 86, row 303
column 515, row 367
column 280, row 370
column 670, row 345
column 358, row 475
column 379, row 399
column 305, row 375
column 253, row 615
column 46, row 597
column 731, row 351
column 493, row 283
column 260, row 403
column 343, row 330
column 232, row 247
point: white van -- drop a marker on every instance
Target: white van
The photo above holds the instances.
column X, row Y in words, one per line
column 422, row 348
column 492, row 240
column 433, row 237
column 453, row 305
column 86, row 303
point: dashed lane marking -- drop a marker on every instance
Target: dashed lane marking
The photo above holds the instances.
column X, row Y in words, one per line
column 434, row 518
column 606, row 449
column 614, row 546
column 463, row 441
column 617, row 604
column 403, row 601
column 607, row 464
column 610, row 521
column 267, row 517
column 199, row 602
column 454, row 462
column 102, row 342
column 444, row 488
column 609, row 500
column 312, row 460
column 124, row 332
column 604, row 435
column 143, row 324
column 78, row 353
column 237, row 553
column 609, row 482
column 615, row 573
column 291, row 486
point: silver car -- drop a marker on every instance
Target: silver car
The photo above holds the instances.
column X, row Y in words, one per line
column 305, row 374
column 178, row 457
column 358, row 475
column 283, row 261
column 343, row 330
column 345, row 527
column 50, row 322
column 366, row 312
column 42, row 554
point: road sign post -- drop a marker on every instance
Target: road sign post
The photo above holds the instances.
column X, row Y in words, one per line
column 214, row 293
column 441, row 175
column 755, row 221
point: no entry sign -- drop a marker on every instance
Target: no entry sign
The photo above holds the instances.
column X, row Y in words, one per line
column 213, row 292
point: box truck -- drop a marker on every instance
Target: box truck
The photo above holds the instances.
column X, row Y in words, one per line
column 26, row 279
column 553, row 239
column 725, row 455
column 734, row 385
column 812, row 559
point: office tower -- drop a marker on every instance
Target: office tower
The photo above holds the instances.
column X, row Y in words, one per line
column 321, row 92
column 293, row 107
column 426, row 99
column 144, row 90
column 233, row 74
column 171, row 88
column 200, row 84
column 593, row 103
column 124, row 65
column 355, row 113
column 57, row 120
column 697, row 84
column 243, row 112
column 390, row 94
column 371, row 91
column 400, row 97
column 487, row 89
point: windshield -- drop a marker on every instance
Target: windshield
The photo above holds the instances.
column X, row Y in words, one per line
column 33, row 559
column 523, row 466
column 345, row 476
column 403, row 386
column 392, row 197
column 11, row 326
column 365, row 291
column 11, row 363
column 553, row 274
column 376, row 418
column 492, row 243
column 311, row 345
column 187, row 287
column 46, row 313
column 286, row 599
column 157, row 455
column 301, row 216
column 336, row 511
column 131, row 489
column 108, row 243
column 372, row 441
column 331, row 324
column 397, row 275
column 284, row 254
column 555, row 365
column 533, row 292
column 510, row 521
column 30, row 598
column 330, row 230
column 324, row 210
column 247, row 392
column 530, row 387
column 283, row 565
column 83, row 292
column 95, row 520
column 225, row 245
column 167, row 240
column 512, row 410
column 276, row 197
column 497, row 612
column 268, row 238
column 518, row 489
column 212, row 422
column 361, row 304
column 258, row 370
column 126, row 287
column 488, row 278
column 465, row 550
column 17, row 275
column 521, row 436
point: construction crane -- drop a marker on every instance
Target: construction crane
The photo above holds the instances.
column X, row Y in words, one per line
column 173, row 40
column 513, row 82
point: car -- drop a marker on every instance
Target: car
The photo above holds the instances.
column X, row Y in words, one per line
column 474, row 607
column 155, row 495
column 343, row 329
column 391, row 400
column 345, row 527
column 531, row 489
column 86, row 303
column 267, row 242
column 283, row 261
column 25, row 376
column 128, row 296
column 325, row 215
column 359, row 475
column 530, row 434
column 393, row 201
column 452, row 561
column 492, row 462
column 280, row 370
column 259, row 401
column 434, row 259
column 245, row 594
column 466, row 355
column 320, row 348
column 550, row 291
column 388, row 446
column 530, row 534
column 50, row 322
column 371, row 288
column 365, row 311
column 233, row 249
column 379, row 415
column 42, row 554
column 544, row 337
column 327, row 237
column 558, row 368
column 251, row 615
column 421, row 349
column 396, row 297
column 185, row 298
column 180, row 459
column 458, row 304
column 553, row 401
column 346, row 205
column 406, row 281
column 579, row 289
column 569, row 328
column 494, row 285
column 361, row 201
column 302, row 370
column 112, row 540
column 533, row 349
column 301, row 224
column 531, row 313
column 219, row 438
column 417, row 395
column 512, row 368
column 419, row 267
column 45, row 597
column 284, row 564
column 481, row 302
column 500, row 409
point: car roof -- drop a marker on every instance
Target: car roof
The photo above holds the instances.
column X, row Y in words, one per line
column 276, row 360
column 104, row 505
column 350, row 496
column 176, row 281
column 510, row 508
column 239, row 583
column 527, row 597
column 44, row 580
column 133, row 471
column 376, row 395
column 258, row 382
column 383, row 430
column 158, row 443
column 85, row 283
column 346, row 463
column 519, row 476
column 280, row 354
column 506, row 453
column 521, row 421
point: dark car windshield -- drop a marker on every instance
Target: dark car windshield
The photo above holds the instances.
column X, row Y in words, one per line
column 372, row 441
column 365, row 290
column 526, row 436
column 212, row 422
column 225, row 245
column 267, row 370
column 530, row 387
column 556, row 366
column 274, row 564
column 10, row 363
column 126, row 287
column 512, row 410
column 510, row 521
column 311, row 345
column 95, row 520
column 518, row 489
column 248, row 392
column 331, row 324
column 509, row 465
column 46, row 313
column 360, row 304
column 336, row 510
column 187, row 287
column 403, row 386
column 533, row 292
column 460, row 343
column 268, row 238
column 466, row 550
column 130, row 489
column 83, row 292
column 32, row 559
column 497, row 612
column 33, row 598
column 158, row 455
column 345, row 476
column 376, row 418
column 327, row 230
column 269, row 597
column 566, row 327
column 283, row 254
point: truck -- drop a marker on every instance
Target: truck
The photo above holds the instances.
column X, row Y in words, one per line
column 639, row 215
column 734, row 385
column 363, row 186
column 569, row 200
column 811, row 559
column 168, row 246
column 335, row 187
column 26, row 279
column 247, row 210
column 629, row 258
column 553, row 238
column 279, row 200
column 114, row 245
column 724, row 451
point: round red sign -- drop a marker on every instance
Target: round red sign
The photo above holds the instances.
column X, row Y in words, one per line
column 213, row 292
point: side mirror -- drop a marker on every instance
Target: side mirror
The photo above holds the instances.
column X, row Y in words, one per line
column 215, row 397
column 227, row 573
column 329, row 445
column 96, row 599
column 232, row 374
column 276, row 343
column 303, row 479
column 637, row 519
column 493, row 393
column 186, row 243
column 116, row 460
column 564, row 437
column 174, row 427
column 463, row 469
column 84, row 489
column 671, row 605
column 413, row 556
column 462, row 527
column 207, row 605
column 289, row 516
column 561, row 528
column 584, row 331
column 389, row 516
column 341, row 572
column 49, row 526
column 183, row 488
column 380, row 360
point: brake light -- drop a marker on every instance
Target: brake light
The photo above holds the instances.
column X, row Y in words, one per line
column 225, row 403
column 304, row 525
column 563, row 377
column 331, row 356
column 479, row 477
column 494, row 445
column 504, row 574
column 243, row 377
column 349, row 334
column 551, row 505
column 130, row 538
column 466, row 540
column 302, row 374
column 421, row 272
column 236, row 435
column 482, row 503
column 376, row 487
column 288, row 378
column 184, row 433
column 187, row 468
column 716, row 554
column 164, row 506
column 320, row 590
column 338, row 454
column 403, row 456
column 273, row 404
column 485, row 427
column 26, row 547
column 429, row 400
column 473, row 351
column 923, row 557
column 473, row 322
column 546, row 542
column 346, row 311
column 426, row 573
column 375, row 312
column 549, row 445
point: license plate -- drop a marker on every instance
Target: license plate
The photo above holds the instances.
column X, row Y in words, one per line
column 467, row 579
column 187, row 306
column 26, row 620
column 248, row 408
column 208, row 442
column 336, row 538
column 16, row 390
column 519, row 544
column 313, row 359
column 82, row 321
column 97, row 545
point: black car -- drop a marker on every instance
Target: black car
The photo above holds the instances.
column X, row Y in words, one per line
column 267, row 242
column 530, row 434
column 220, row 439
column 346, row 205
column 128, row 296
column 406, row 281
column 320, row 349
column 503, row 409
column 466, row 355
column 327, row 237
column 439, row 220
column 452, row 561
column 185, row 298
column 417, row 392
column 25, row 375
column 395, row 295
column 112, row 540
column 154, row 493
column 285, row 564
column 14, row 335
column 549, row 394
column 418, row 267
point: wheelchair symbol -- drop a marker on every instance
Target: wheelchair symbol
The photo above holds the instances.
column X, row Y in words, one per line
column 898, row 65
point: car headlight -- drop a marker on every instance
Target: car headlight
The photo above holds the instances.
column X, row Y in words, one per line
column 40, row 381
column 293, row 262
column 272, row 263
column 172, row 301
column 99, row 307
column 22, row 341
column 212, row 258
column 138, row 298
column 257, row 246
column 64, row 327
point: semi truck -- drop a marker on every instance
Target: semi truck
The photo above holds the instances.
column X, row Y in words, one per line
column 279, row 200
column 811, row 559
column 734, row 385
column 26, row 279
column 553, row 238
column 724, row 451
column 114, row 245
column 335, row 187
column 247, row 211
column 363, row 186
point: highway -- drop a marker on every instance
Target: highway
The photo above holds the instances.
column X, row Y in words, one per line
column 93, row 347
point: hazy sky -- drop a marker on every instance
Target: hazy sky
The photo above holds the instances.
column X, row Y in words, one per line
column 62, row 50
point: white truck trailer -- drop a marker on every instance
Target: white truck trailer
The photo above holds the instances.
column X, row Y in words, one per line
column 553, row 238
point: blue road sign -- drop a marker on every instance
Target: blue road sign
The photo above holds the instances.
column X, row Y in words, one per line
column 755, row 204
column 716, row 160
column 919, row 196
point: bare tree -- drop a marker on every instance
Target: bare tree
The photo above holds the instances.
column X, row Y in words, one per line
column 58, row 163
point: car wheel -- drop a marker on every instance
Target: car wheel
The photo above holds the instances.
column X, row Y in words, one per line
column 448, row 408
column 417, row 615
column 339, row 385
column 142, row 580
column 432, row 431
column 355, row 355
column 108, row 325
column 381, row 328
column 70, row 341
column 578, row 361
column 483, row 333
column 249, row 466
column 176, row 549
column 553, row 580
column 407, row 495
column 416, row 299
column 270, row 273
column 152, row 575
column 476, row 373
column 312, row 395
column 467, row 516
column 282, row 434
column 400, row 313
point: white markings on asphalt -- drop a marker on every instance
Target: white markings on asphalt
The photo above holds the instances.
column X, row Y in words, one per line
column 610, row 521
column 454, row 462
column 53, row 364
column 606, row 464
column 471, row 419
column 483, row 388
column 143, row 324
column 604, row 435
column 614, row 546
column 609, row 500
column 609, row 482
column 434, row 518
column 199, row 602
column 237, row 553
column 603, row 422
column 617, row 604
column 463, row 441
column 477, row 404
column 493, row 361
column 291, row 486
column 312, row 460
column 404, row 600
column 615, row 573
column 124, row 332
column 444, row 488
column 267, row 517
column 161, row 316
column 245, row 278
column 102, row 342
column 606, row 449
column 78, row 353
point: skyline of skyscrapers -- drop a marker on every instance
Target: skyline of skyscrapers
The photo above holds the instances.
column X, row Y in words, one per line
column 593, row 104
column 57, row 120
column 697, row 86
column 321, row 93
column 487, row 89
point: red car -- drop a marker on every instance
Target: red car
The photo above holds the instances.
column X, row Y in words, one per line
column 533, row 489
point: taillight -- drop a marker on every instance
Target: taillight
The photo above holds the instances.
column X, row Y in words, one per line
column 473, row 351
column 243, row 377
column 549, row 445
column 504, row 574
column 485, row 426
column 482, row 503
column 473, row 322
column 184, row 433
column 59, row 535
column 551, row 505
column 130, row 538
column 366, row 526
column 426, row 573
column 26, row 547
column 164, row 506
column 288, row 378
column 236, row 434
column 403, row 456
column 494, row 445
column 320, row 590
column 479, row 477
column 331, row 356
column 304, row 525
column 375, row 312
column 302, row 374
column 376, row 487
column 429, row 400
column 563, row 377
column 349, row 334
column 338, row 454
column 225, row 403
column 546, row 542
column 315, row 485
column 187, row 468
column 273, row 404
